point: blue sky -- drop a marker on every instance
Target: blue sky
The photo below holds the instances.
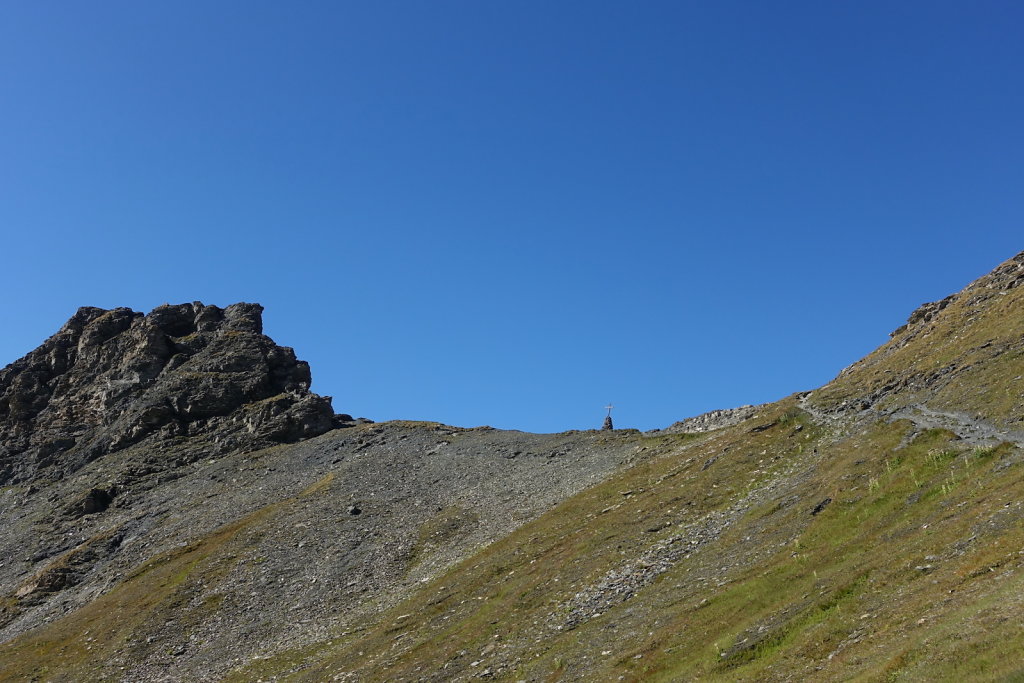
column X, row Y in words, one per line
column 513, row 213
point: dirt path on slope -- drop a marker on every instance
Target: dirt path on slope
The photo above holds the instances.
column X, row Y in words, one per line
column 971, row 430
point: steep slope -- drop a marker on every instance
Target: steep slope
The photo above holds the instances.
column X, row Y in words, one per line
column 747, row 557
column 961, row 355
column 240, row 556
column 872, row 529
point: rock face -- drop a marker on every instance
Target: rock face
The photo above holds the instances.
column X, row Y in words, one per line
column 113, row 378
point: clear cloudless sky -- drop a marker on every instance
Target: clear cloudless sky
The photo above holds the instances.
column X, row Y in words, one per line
column 512, row 213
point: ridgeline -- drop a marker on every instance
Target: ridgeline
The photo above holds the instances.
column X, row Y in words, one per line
column 177, row 505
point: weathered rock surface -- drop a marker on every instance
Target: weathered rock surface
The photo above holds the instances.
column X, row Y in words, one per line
column 112, row 378
column 714, row 419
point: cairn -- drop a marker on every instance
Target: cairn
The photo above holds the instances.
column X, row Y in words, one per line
column 608, row 419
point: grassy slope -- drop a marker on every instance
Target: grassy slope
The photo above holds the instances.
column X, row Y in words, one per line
column 781, row 593
column 86, row 645
column 912, row 572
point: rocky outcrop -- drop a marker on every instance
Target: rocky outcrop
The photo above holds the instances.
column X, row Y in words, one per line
column 924, row 313
column 1008, row 275
column 714, row 419
column 112, row 378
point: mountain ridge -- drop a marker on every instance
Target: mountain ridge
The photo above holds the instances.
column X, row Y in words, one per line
column 870, row 529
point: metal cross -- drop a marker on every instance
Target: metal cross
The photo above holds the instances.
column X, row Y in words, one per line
column 609, row 408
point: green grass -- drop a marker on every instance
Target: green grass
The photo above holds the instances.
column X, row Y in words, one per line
column 781, row 593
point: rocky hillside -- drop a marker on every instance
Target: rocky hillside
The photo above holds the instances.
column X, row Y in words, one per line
column 141, row 446
column 871, row 529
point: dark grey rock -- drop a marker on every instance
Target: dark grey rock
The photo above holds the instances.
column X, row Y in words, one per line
column 112, row 378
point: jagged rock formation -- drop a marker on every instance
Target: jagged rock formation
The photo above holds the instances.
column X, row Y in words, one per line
column 110, row 379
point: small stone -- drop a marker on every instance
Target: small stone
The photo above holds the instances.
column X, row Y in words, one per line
column 820, row 506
